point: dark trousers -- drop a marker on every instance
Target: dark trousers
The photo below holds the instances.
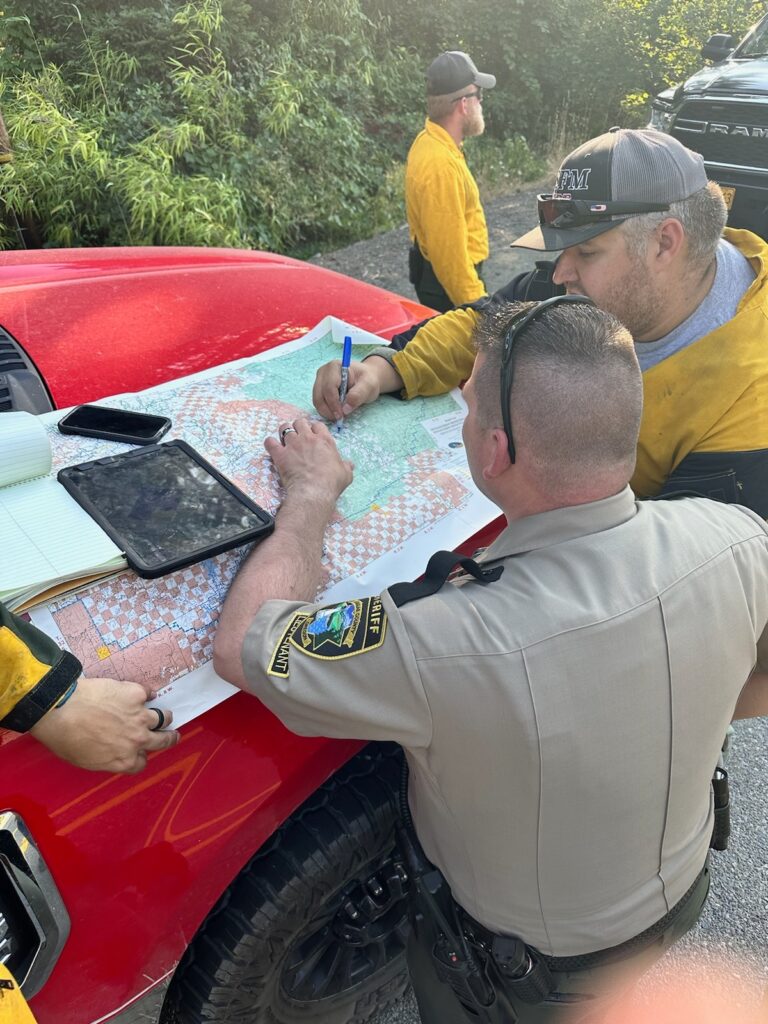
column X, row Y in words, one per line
column 579, row 995
column 422, row 276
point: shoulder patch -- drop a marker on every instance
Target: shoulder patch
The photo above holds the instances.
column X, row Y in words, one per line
column 278, row 663
column 337, row 631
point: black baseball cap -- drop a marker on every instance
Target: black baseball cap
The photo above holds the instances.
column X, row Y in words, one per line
column 623, row 173
column 455, row 70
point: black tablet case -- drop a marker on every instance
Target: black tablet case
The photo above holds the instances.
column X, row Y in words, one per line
column 161, row 520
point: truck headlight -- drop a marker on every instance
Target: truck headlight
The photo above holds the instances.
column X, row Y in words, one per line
column 34, row 923
column 661, row 116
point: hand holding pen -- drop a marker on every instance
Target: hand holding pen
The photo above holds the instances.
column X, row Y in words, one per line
column 365, row 382
column 346, row 359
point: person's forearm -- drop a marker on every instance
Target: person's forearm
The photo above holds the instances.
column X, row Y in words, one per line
column 753, row 701
column 388, row 377
column 440, row 356
column 286, row 565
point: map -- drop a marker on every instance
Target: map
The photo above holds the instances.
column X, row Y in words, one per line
column 411, row 495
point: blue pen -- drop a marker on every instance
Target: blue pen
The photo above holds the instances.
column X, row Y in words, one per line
column 346, row 359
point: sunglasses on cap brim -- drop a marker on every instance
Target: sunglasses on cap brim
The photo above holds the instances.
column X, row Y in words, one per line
column 557, row 212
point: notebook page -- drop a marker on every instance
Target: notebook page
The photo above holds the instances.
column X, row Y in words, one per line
column 25, row 451
column 46, row 535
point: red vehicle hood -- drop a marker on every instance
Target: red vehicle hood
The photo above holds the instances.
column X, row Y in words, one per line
column 99, row 322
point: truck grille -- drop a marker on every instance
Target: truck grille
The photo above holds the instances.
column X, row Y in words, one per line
column 19, row 940
column 21, row 386
column 693, row 127
column 34, row 923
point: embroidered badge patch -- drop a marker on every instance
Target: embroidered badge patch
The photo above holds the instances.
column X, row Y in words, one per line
column 339, row 631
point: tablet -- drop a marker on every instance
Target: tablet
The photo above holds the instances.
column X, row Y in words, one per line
column 165, row 506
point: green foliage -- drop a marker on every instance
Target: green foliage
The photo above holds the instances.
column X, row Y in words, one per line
column 665, row 36
column 500, row 164
column 286, row 126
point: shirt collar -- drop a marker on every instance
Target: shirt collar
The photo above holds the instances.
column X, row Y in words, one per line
column 441, row 135
column 562, row 524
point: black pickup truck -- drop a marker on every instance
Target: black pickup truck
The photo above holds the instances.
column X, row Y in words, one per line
column 722, row 113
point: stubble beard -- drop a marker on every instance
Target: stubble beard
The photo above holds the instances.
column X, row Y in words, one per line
column 634, row 301
column 636, row 304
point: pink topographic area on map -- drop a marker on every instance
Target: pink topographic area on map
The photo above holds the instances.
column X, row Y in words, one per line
column 158, row 630
column 150, row 630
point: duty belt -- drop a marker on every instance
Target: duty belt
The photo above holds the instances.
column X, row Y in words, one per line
column 484, row 938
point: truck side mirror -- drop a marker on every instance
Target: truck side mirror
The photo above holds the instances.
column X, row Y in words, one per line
column 718, row 46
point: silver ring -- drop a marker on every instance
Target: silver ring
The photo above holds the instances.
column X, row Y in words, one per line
column 287, row 430
column 160, row 719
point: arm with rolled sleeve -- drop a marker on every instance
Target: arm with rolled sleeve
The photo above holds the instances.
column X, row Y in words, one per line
column 439, row 357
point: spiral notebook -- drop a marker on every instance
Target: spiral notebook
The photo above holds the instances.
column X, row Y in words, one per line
column 46, row 538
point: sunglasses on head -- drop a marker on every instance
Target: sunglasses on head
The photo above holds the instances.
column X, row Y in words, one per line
column 555, row 212
column 511, row 337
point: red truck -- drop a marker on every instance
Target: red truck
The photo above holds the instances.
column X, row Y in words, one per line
column 247, row 874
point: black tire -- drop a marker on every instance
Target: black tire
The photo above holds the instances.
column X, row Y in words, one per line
column 304, row 933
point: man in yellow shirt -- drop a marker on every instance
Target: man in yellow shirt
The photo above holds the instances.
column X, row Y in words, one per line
column 442, row 202
column 640, row 231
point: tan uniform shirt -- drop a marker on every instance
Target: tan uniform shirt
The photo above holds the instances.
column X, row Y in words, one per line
column 562, row 724
column 444, row 213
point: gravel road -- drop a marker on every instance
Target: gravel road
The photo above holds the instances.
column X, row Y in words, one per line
column 734, row 924
column 383, row 260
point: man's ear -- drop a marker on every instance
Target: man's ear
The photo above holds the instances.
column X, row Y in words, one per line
column 497, row 460
column 670, row 240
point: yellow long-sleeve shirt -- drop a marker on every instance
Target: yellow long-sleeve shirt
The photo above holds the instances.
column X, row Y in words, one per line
column 34, row 672
column 445, row 217
column 707, row 398
column 13, row 1006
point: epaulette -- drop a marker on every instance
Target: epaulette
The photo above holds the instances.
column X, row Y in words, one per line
column 439, row 568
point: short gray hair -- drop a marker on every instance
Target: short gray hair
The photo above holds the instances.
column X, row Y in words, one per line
column 702, row 215
column 577, row 391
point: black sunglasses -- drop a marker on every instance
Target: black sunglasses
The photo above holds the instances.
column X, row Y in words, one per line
column 513, row 332
column 469, row 95
column 555, row 212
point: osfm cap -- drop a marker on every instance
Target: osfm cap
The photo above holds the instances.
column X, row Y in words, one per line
column 455, row 70
column 624, row 165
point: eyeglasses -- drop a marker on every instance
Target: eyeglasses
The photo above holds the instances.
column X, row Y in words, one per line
column 478, row 94
column 555, row 212
column 515, row 329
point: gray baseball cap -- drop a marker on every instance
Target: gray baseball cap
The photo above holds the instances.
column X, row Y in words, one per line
column 623, row 173
column 455, row 70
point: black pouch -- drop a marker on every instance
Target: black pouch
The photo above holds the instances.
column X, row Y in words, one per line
column 466, row 979
column 721, row 830
column 522, row 970
column 415, row 265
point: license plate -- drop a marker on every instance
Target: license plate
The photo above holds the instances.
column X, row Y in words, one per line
column 728, row 193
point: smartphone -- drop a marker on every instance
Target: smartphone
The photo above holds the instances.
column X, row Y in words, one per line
column 115, row 424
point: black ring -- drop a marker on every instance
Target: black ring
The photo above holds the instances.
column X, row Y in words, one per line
column 160, row 719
